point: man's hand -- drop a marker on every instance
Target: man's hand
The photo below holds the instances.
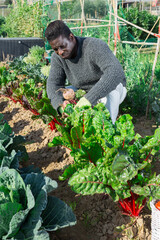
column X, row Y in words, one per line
column 83, row 102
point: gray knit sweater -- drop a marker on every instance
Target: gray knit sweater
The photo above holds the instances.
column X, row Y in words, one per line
column 95, row 69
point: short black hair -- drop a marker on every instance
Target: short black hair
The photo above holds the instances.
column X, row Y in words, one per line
column 55, row 29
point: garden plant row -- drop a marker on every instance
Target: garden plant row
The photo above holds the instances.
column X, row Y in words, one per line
column 26, row 209
column 24, row 81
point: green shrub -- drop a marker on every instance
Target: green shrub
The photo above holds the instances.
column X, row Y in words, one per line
column 2, row 29
column 25, row 20
column 142, row 19
column 138, row 74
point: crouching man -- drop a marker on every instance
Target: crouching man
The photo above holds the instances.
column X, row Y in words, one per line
column 88, row 64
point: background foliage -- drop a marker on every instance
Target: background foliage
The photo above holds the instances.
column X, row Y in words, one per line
column 142, row 19
column 2, row 31
column 96, row 8
column 138, row 71
column 24, row 20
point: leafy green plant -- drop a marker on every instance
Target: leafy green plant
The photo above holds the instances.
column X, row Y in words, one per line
column 26, row 212
column 108, row 158
column 45, row 70
column 45, row 110
column 35, row 55
column 16, row 75
column 12, row 150
column 6, row 77
column 27, row 94
column 27, row 70
column 155, row 94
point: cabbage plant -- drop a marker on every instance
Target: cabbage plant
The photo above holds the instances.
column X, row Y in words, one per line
column 26, row 212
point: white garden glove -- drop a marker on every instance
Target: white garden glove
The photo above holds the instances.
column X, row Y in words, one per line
column 60, row 110
column 83, row 102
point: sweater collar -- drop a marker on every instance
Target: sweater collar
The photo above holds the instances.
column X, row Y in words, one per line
column 79, row 50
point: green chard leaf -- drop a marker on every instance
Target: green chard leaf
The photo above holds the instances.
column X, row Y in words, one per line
column 153, row 144
column 124, row 168
column 76, row 136
column 151, row 188
column 125, row 127
column 68, row 172
column 87, row 181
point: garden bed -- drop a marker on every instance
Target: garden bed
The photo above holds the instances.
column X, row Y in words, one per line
column 97, row 215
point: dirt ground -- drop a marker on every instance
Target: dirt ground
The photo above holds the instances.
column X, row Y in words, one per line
column 97, row 216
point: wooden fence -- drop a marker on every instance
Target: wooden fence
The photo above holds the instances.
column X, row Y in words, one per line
column 153, row 10
column 4, row 10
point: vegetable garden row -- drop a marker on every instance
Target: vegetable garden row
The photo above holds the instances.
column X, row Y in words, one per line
column 26, row 209
column 108, row 159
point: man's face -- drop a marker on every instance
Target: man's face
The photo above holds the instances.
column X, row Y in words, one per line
column 64, row 47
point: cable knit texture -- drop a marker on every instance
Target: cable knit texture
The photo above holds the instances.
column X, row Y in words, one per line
column 95, row 69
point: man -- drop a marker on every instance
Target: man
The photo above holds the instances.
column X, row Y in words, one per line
column 88, row 64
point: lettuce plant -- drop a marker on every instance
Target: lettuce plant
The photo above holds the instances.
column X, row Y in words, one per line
column 35, row 55
column 26, row 211
column 108, row 158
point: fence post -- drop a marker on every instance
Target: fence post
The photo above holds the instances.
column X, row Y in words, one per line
column 153, row 69
column 115, row 31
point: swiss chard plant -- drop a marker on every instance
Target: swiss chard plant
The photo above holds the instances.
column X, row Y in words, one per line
column 108, row 158
column 27, row 94
column 26, row 210
column 7, row 82
column 47, row 113
column 44, row 108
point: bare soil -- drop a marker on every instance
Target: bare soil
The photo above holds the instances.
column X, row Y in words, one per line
column 97, row 215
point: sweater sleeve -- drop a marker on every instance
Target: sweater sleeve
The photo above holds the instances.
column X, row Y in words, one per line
column 55, row 81
column 112, row 72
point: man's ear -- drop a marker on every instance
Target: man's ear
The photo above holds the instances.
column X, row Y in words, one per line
column 71, row 36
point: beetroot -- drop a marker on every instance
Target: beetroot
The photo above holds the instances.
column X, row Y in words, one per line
column 65, row 104
column 68, row 93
